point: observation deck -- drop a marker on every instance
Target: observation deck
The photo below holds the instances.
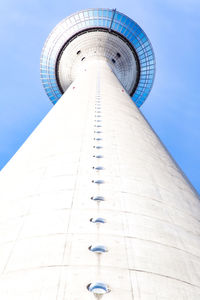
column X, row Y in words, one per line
column 102, row 34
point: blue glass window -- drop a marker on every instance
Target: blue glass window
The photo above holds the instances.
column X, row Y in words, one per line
column 105, row 13
column 144, row 39
column 110, row 14
column 118, row 16
column 108, row 23
column 128, row 22
column 148, row 85
column 124, row 19
column 132, row 25
column 114, row 26
column 141, row 35
column 85, row 14
column 82, row 24
column 123, row 29
column 100, row 13
column 150, row 56
column 53, row 98
column 91, row 22
column 151, row 76
column 147, row 48
column 129, row 35
column 120, row 28
column 139, row 48
column 151, row 72
column 136, row 43
column 101, row 22
column 126, row 33
column 145, row 43
column 45, row 76
column 43, row 71
column 90, row 13
column 141, row 56
column 143, row 60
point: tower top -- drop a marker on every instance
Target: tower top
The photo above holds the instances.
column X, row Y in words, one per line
column 105, row 33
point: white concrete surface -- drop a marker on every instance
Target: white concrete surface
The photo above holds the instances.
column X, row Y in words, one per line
column 99, row 45
column 152, row 231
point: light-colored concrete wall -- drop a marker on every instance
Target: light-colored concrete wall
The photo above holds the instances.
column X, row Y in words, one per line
column 152, row 230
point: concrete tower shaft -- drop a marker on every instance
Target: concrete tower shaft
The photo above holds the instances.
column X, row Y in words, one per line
column 93, row 203
column 151, row 213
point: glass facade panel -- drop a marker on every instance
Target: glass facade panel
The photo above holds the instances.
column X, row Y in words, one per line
column 118, row 16
column 119, row 28
column 123, row 30
column 110, row 14
column 90, row 13
column 105, row 13
column 108, row 23
column 76, row 17
column 100, row 22
column 100, row 13
column 96, row 23
column 85, row 14
column 124, row 19
column 115, row 25
column 81, row 15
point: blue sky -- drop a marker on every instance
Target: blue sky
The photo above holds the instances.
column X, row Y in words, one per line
column 173, row 106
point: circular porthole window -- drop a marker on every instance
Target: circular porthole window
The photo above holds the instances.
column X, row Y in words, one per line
column 98, row 181
column 98, row 168
column 98, row 249
column 98, row 156
column 98, row 288
column 98, row 220
column 98, row 198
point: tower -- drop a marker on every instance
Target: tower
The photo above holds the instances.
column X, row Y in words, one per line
column 92, row 205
